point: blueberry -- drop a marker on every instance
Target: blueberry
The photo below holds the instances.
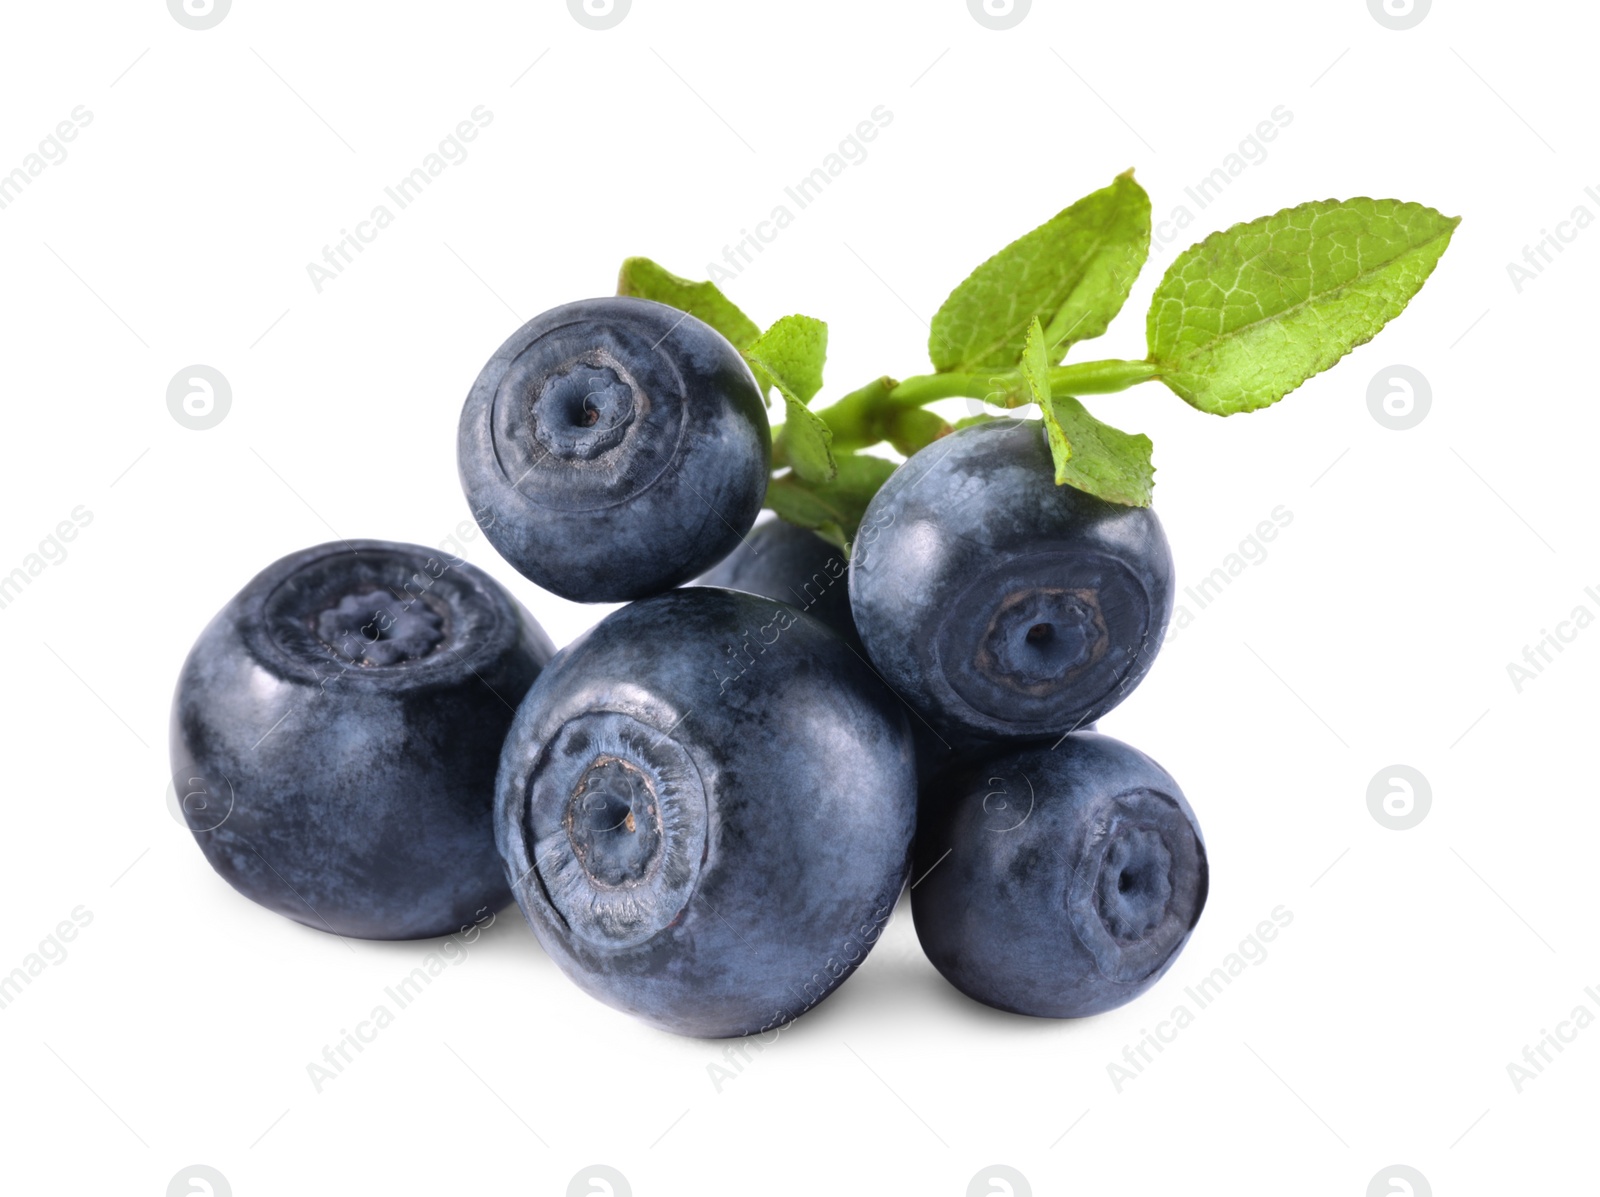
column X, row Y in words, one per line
column 613, row 448
column 939, row 753
column 784, row 561
column 1003, row 606
column 706, row 804
column 1058, row 883
column 336, row 731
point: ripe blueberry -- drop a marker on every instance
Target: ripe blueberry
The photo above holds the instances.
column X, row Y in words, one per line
column 1003, row 606
column 613, row 448
column 784, row 561
column 342, row 716
column 706, row 806
column 1058, row 883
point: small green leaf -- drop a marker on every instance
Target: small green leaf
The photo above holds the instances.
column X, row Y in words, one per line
column 1247, row 315
column 1089, row 456
column 1106, row 462
column 1035, row 366
column 789, row 356
column 808, row 443
column 1073, row 273
column 644, row 279
column 834, row 509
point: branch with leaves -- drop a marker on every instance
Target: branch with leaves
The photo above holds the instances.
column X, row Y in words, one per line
column 1238, row 321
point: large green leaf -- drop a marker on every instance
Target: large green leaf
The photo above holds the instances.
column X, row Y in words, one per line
column 1072, row 273
column 644, row 279
column 1247, row 315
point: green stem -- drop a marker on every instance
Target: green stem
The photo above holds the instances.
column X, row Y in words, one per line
column 1100, row 378
column 866, row 416
column 1006, row 388
column 925, row 388
column 861, row 418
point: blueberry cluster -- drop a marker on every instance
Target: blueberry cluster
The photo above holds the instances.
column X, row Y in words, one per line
column 708, row 805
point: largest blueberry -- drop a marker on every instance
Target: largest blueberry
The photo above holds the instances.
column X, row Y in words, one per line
column 613, row 448
column 335, row 734
column 706, row 806
column 1003, row 606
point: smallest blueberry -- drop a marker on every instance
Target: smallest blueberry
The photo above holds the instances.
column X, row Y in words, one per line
column 1057, row 882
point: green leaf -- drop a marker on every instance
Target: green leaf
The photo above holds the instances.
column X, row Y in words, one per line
column 1247, row 315
column 1072, row 273
column 834, row 509
column 1089, row 456
column 1106, row 462
column 789, row 356
column 1035, row 367
column 644, row 279
column 808, row 443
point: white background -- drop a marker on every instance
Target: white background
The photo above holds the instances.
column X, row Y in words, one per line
column 1418, row 564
